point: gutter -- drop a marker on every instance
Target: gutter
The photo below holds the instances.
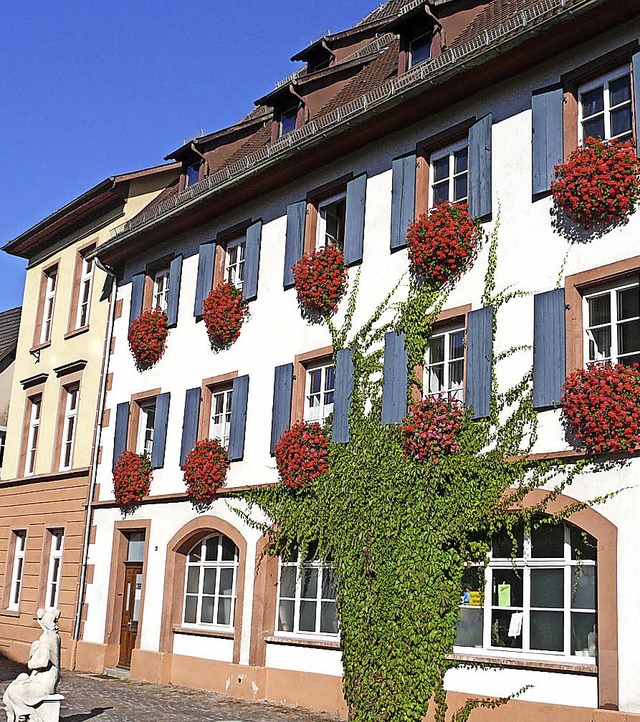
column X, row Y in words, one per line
column 413, row 82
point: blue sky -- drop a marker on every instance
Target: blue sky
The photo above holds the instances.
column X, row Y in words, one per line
column 89, row 89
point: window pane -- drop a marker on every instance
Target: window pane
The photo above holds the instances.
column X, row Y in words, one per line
column 456, row 374
column 226, row 581
column 593, row 128
column 503, row 544
column 193, row 577
column 288, row 581
column 328, row 620
column 328, row 585
column 547, row 541
column 620, row 90
column 621, row 120
column 228, row 550
column 436, row 349
column 136, row 547
column 309, row 583
column 285, row 616
column 307, row 616
column 547, row 631
column 507, row 588
column 629, row 337
column 583, row 545
column 436, row 378
column 469, row 627
column 225, row 608
column 190, row 609
column 628, row 303
column 196, row 553
column 583, row 635
column 503, row 621
column 441, row 169
column 206, row 615
column 583, row 587
column 209, row 583
column 460, row 187
column 211, row 549
column 600, row 344
column 440, row 193
column 315, row 381
column 547, row 588
column 599, row 310
column 456, row 345
column 460, row 160
column 592, row 101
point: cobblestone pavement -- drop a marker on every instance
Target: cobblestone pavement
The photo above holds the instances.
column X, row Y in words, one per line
column 105, row 699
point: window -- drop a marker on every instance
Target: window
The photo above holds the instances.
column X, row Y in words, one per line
column 612, row 324
column 192, row 174
column 307, row 598
column 161, row 289
column 319, row 392
column 35, row 403
column 604, row 107
column 444, row 363
column 19, row 547
column 55, row 568
column 288, row 120
column 69, row 426
column 220, row 420
column 211, row 579
column 146, row 425
column 541, row 601
column 419, row 49
column 449, row 174
column 331, row 221
column 234, row 262
column 51, row 282
column 84, row 293
column 3, row 444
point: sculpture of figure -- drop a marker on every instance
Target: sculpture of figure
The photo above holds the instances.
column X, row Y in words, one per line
column 26, row 692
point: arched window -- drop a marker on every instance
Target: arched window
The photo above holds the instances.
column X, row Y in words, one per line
column 211, row 582
column 537, row 596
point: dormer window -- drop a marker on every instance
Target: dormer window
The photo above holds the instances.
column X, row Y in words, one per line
column 419, row 49
column 192, row 174
column 288, row 120
column 419, row 31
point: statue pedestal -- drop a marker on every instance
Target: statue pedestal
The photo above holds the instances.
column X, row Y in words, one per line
column 48, row 710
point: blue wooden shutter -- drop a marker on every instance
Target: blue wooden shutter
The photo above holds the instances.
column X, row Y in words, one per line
column 175, row 276
column 547, row 136
column 549, row 348
column 294, row 243
column 137, row 295
column 121, row 432
column 238, row 417
column 205, row 275
column 403, row 199
column 252, row 261
column 635, row 67
column 160, row 430
column 480, row 167
column 342, row 395
column 190, row 422
column 394, row 389
column 479, row 358
column 281, row 414
column 354, row 220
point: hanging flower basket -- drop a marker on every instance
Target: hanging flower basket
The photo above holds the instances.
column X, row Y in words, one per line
column 320, row 279
column 302, row 454
column 431, row 430
column 444, row 242
column 131, row 478
column 148, row 338
column 224, row 311
column 599, row 184
column 205, row 469
column 600, row 407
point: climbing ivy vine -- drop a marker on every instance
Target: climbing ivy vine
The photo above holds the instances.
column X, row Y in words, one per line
column 398, row 532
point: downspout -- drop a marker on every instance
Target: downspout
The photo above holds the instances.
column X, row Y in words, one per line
column 94, row 456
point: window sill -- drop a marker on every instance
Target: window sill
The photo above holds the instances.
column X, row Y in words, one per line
column 218, row 634
column 40, row 346
column 544, row 665
column 76, row 332
column 10, row 613
column 303, row 642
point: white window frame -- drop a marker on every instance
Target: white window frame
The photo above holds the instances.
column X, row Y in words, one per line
column 219, row 565
column 524, row 565
column 322, row 237
column 449, row 152
column 51, row 286
column 144, row 444
column 322, row 569
column 448, row 390
column 604, row 81
column 316, row 406
column 610, row 289
column 35, row 414
column 161, row 281
column 17, row 569
column 70, row 425
column 84, row 293
column 220, row 416
column 54, row 572
column 234, row 262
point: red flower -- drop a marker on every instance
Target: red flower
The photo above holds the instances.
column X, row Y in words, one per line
column 205, row 469
column 599, row 183
column 600, row 406
column 320, row 279
column 224, row 311
column 431, row 429
column 131, row 478
column 443, row 244
column 148, row 338
column 302, row 454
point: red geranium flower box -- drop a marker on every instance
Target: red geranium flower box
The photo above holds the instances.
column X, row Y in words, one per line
column 599, row 183
column 601, row 407
column 131, row 478
column 302, row 454
column 205, row 469
column 224, row 311
column 431, row 430
column 320, row 279
column 148, row 338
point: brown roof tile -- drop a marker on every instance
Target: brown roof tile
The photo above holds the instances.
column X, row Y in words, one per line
column 9, row 329
column 496, row 13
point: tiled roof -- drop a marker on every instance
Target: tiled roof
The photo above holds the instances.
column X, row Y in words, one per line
column 495, row 14
column 9, row 328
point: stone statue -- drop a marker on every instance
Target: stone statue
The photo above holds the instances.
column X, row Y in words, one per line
column 25, row 695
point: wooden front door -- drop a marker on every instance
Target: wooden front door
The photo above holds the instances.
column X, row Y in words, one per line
column 132, row 596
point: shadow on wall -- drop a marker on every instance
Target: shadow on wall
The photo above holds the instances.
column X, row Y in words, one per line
column 95, row 711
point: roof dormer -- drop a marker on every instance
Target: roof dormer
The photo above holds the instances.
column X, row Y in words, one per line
column 288, row 109
column 419, row 32
column 318, row 56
